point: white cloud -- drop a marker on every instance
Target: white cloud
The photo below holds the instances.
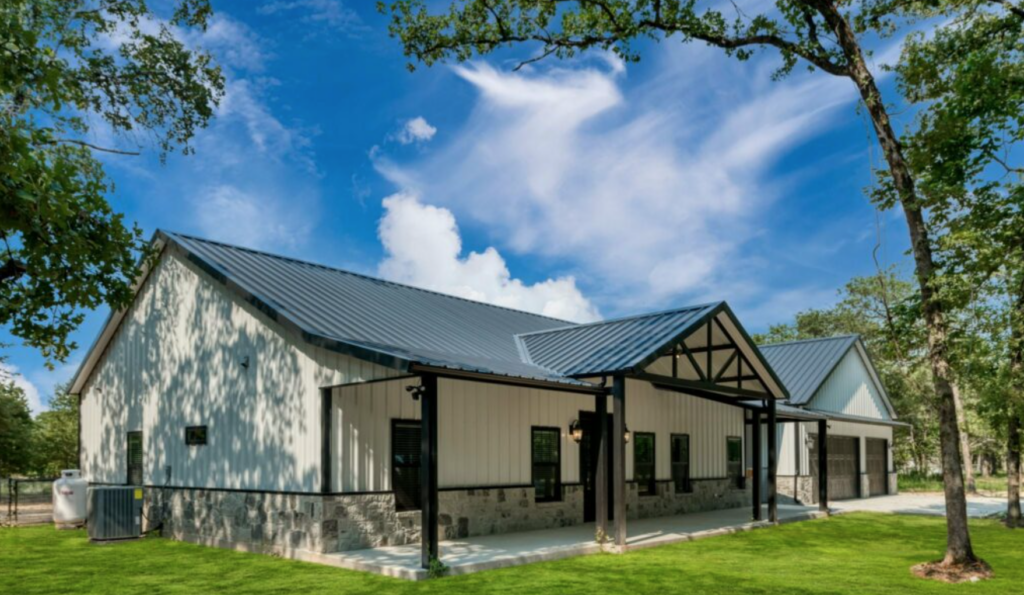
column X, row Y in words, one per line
column 332, row 14
column 415, row 130
column 652, row 192
column 252, row 219
column 424, row 249
column 10, row 372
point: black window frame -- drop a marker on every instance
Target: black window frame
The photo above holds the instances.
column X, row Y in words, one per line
column 140, row 466
column 683, row 484
column 738, row 478
column 402, row 498
column 649, row 487
column 196, row 435
column 557, row 464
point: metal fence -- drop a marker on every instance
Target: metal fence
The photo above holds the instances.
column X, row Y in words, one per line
column 26, row 500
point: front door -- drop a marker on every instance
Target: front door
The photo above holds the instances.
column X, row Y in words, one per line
column 588, row 466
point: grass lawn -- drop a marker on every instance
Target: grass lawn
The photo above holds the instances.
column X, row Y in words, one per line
column 987, row 486
column 857, row 553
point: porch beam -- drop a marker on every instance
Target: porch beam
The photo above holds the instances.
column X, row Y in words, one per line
column 601, row 478
column 693, row 361
column 619, row 458
column 755, row 431
column 773, row 456
column 428, row 470
column 823, row 465
column 688, row 385
column 700, row 350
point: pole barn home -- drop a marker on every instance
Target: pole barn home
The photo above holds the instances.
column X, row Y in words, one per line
column 276, row 405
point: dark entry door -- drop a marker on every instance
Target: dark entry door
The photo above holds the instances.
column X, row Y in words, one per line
column 878, row 466
column 843, row 467
column 588, row 466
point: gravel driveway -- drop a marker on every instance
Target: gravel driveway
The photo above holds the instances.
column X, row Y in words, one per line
column 928, row 504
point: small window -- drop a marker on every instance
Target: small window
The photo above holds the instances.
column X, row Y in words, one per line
column 681, row 463
column 547, row 467
column 135, row 458
column 734, row 463
column 643, row 463
column 405, row 464
column 195, row 435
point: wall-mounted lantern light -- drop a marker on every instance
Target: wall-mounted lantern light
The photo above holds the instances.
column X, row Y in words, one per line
column 627, row 435
column 576, row 431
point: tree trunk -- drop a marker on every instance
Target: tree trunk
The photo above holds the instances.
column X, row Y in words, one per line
column 965, row 441
column 1013, row 513
column 958, row 539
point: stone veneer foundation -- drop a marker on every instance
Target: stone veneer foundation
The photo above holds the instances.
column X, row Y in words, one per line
column 797, row 488
column 276, row 523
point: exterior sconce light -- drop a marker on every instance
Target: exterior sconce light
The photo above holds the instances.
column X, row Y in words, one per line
column 809, row 440
column 627, row 435
column 576, row 431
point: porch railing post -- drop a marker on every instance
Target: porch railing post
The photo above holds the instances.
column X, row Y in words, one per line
column 823, row 465
column 755, row 431
column 601, row 477
column 619, row 458
column 773, row 456
column 428, row 462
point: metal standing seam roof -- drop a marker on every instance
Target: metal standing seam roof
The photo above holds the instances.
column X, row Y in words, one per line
column 611, row 345
column 804, row 365
column 401, row 326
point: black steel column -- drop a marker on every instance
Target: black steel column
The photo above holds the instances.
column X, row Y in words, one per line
column 823, row 465
column 773, row 456
column 326, row 427
column 619, row 458
column 601, row 478
column 755, row 431
column 428, row 474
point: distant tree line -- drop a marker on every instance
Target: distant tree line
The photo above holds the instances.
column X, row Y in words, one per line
column 40, row 446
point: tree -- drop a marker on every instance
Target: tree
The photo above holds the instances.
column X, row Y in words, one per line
column 66, row 65
column 56, row 435
column 15, row 430
column 966, row 81
column 823, row 34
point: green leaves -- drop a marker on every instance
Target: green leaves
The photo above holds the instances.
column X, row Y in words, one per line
column 66, row 63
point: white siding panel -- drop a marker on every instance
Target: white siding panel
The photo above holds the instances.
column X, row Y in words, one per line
column 175, row 362
column 849, row 389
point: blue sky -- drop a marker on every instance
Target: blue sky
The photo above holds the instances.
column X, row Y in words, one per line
column 580, row 189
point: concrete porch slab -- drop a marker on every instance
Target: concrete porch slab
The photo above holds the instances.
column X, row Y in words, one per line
column 475, row 554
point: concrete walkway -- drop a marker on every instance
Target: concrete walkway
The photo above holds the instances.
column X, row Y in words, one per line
column 498, row 551
column 933, row 504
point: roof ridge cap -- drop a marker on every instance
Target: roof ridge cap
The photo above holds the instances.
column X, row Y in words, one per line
column 622, row 318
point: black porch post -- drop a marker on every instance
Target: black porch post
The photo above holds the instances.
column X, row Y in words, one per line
column 823, row 465
column 773, row 456
column 601, row 478
column 619, row 458
column 326, row 410
column 428, row 473
column 755, row 438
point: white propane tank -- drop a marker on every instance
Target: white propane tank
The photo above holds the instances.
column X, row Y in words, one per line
column 69, row 499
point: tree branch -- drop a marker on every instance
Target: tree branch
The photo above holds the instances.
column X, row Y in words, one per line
column 82, row 143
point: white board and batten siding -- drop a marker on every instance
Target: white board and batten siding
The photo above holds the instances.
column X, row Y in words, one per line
column 176, row 361
column 484, row 431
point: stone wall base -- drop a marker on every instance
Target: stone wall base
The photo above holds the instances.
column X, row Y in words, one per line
column 798, row 489
column 276, row 523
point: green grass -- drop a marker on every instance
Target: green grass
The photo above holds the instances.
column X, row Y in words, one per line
column 857, row 553
column 989, row 486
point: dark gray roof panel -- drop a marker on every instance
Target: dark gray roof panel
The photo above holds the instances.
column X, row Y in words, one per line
column 804, row 365
column 610, row 345
column 390, row 318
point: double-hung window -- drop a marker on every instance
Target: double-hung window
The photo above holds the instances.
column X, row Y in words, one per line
column 734, row 461
column 545, row 444
column 405, row 464
column 643, row 463
column 681, row 463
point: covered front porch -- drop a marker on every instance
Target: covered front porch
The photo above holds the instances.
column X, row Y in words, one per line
column 474, row 554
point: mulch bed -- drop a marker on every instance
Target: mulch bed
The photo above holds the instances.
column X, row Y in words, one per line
column 953, row 573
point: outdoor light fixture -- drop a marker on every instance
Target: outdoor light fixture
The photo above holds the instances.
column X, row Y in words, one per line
column 576, row 431
column 627, row 435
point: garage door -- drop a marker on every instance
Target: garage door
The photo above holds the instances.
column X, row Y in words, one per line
column 843, row 467
column 878, row 466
